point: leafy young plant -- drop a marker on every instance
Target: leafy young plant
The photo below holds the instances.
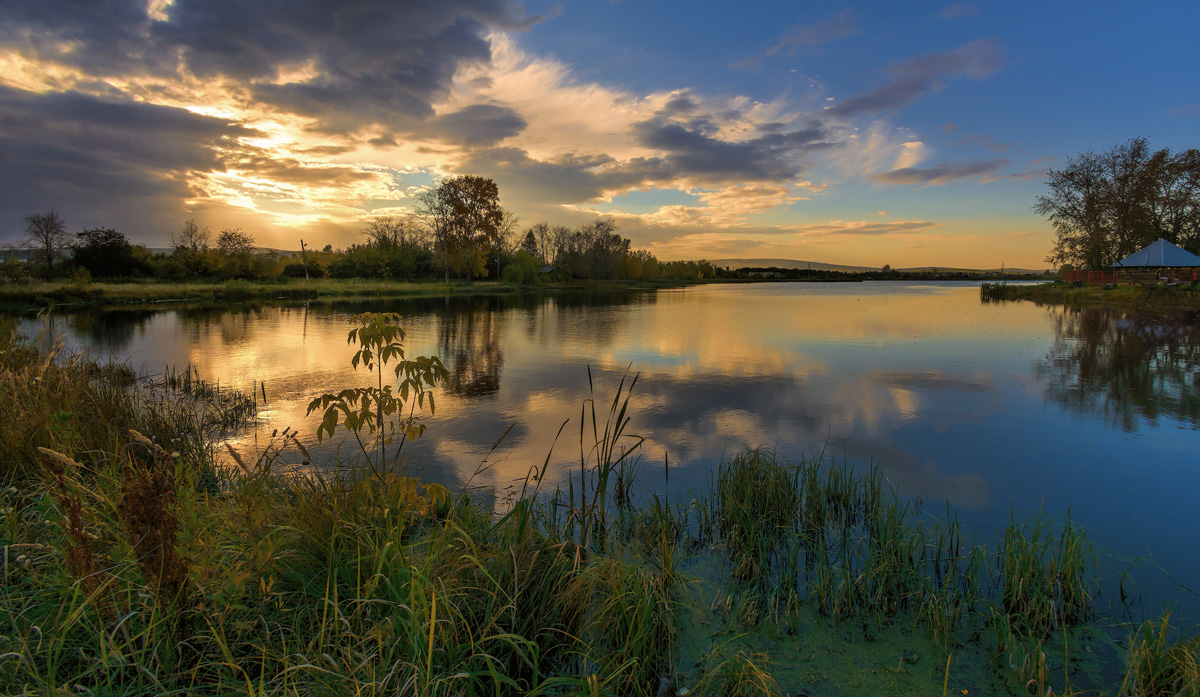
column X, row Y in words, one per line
column 381, row 409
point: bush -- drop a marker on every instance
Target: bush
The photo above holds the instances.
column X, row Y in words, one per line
column 523, row 269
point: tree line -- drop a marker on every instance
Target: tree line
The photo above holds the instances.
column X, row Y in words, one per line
column 458, row 230
column 1106, row 206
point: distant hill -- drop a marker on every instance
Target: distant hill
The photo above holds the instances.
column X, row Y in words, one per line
column 821, row 266
column 787, row 264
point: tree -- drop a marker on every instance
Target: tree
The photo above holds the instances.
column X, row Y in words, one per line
column 436, row 213
column 105, row 252
column 464, row 216
column 1106, row 206
column 234, row 242
column 529, row 244
column 46, row 232
column 191, row 237
column 387, row 232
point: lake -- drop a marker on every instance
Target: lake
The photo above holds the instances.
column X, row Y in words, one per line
column 999, row 409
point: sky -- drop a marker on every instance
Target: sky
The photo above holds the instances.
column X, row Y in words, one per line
column 909, row 134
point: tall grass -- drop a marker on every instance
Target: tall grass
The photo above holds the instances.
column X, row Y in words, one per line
column 132, row 566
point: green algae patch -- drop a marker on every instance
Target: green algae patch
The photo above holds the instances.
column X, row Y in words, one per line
column 804, row 653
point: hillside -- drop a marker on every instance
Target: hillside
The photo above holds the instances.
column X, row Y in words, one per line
column 821, row 266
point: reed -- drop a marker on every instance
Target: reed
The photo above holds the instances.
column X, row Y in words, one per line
column 132, row 566
column 1159, row 666
column 993, row 292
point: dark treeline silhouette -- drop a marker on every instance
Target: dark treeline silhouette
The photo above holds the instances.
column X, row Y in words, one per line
column 1106, row 206
column 457, row 231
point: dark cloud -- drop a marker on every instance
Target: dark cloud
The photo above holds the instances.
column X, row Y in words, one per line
column 101, row 37
column 917, row 76
column 103, row 163
column 569, row 178
column 679, row 105
column 940, row 174
column 477, row 125
column 292, row 171
column 371, row 61
column 949, row 127
column 687, row 153
column 691, row 152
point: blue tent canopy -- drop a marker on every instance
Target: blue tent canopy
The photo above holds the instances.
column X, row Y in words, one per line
column 1161, row 254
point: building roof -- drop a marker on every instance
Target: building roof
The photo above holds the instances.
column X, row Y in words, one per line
column 1159, row 254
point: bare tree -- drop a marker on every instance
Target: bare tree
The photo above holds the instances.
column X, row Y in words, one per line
column 538, row 236
column 559, row 240
column 388, row 231
column 510, row 234
column 437, row 214
column 47, row 232
column 191, row 237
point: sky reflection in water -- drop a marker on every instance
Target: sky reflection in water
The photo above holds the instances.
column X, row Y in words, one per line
column 987, row 406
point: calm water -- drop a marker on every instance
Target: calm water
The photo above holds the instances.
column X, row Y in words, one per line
column 995, row 408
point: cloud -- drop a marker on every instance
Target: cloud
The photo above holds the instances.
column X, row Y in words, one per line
column 843, row 25
column 960, row 9
column 863, row 227
column 691, row 153
column 343, row 65
column 1184, row 110
column 985, row 140
column 478, row 124
column 1030, row 174
column 918, row 76
column 120, row 164
column 949, row 127
column 941, row 174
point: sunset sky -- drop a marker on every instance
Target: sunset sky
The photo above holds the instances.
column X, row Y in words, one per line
column 907, row 134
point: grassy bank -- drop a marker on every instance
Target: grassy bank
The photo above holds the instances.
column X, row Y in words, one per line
column 1178, row 302
column 65, row 294
column 133, row 564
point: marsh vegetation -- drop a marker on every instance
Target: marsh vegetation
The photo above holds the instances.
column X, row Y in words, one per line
column 135, row 562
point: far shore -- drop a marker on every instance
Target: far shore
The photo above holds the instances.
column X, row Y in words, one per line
column 33, row 297
column 66, row 294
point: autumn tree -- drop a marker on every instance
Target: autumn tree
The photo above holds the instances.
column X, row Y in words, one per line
column 1105, row 206
column 47, row 233
column 464, row 216
column 235, row 242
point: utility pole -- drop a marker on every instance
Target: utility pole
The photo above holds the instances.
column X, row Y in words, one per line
column 303, row 260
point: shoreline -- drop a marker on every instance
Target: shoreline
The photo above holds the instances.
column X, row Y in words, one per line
column 30, row 298
column 1180, row 303
column 35, row 297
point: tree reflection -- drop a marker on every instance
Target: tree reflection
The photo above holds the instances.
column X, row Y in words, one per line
column 468, row 335
column 1124, row 370
column 108, row 330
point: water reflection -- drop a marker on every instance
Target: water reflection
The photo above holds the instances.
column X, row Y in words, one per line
column 995, row 408
column 1127, row 371
column 469, row 345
